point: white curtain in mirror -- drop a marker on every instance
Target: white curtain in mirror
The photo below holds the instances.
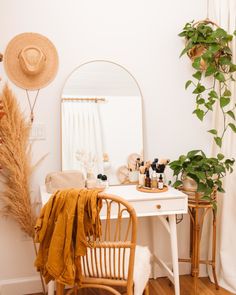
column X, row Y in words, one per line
column 81, row 136
column 117, row 140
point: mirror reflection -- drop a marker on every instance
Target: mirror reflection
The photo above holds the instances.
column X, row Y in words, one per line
column 101, row 113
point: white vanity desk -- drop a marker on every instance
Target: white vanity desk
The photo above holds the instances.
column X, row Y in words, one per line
column 166, row 204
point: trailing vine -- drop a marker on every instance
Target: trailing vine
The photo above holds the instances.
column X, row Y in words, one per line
column 208, row 47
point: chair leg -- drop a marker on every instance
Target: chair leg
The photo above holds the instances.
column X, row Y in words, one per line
column 59, row 289
column 146, row 290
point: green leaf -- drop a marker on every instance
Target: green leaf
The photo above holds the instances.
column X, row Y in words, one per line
column 220, row 156
column 219, row 33
column 182, row 159
column 227, row 93
column 220, row 77
column 221, row 190
column 201, row 101
column 214, row 48
column 218, row 141
column 233, row 127
column 198, row 75
column 210, row 70
column 199, row 113
column 186, row 49
column 225, row 60
column 187, row 84
column 234, row 33
column 208, row 105
column 201, row 175
column 231, row 114
column 212, row 131
column 196, row 63
column 182, row 34
column 192, row 153
column 213, row 93
column 224, row 101
column 199, row 89
column 177, row 183
column 232, row 69
column 201, row 187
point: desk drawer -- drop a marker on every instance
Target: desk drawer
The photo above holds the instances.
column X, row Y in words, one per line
column 160, row 207
column 153, row 207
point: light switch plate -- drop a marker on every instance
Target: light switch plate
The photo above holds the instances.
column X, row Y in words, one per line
column 38, row 131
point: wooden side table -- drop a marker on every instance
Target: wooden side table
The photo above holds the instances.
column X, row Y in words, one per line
column 198, row 209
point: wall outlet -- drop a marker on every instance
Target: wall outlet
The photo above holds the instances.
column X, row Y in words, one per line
column 38, row 131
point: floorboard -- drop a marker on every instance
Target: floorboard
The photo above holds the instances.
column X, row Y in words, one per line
column 162, row 286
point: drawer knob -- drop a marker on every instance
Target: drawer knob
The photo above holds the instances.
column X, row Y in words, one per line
column 158, row 206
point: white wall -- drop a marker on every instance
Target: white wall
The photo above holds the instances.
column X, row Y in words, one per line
column 140, row 35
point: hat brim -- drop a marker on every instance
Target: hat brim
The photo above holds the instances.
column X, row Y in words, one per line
column 13, row 68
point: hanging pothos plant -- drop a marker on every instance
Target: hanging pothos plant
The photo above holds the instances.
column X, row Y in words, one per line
column 207, row 45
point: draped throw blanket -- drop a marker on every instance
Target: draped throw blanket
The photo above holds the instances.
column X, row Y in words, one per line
column 62, row 229
column 82, row 147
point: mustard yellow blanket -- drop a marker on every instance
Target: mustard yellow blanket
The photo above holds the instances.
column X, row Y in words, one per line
column 62, row 229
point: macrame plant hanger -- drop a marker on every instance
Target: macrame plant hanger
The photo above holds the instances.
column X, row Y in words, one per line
column 32, row 105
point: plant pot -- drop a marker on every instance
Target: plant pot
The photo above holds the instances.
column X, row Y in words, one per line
column 189, row 184
column 190, row 188
column 198, row 51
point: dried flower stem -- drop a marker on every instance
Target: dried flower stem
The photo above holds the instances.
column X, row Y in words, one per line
column 15, row 164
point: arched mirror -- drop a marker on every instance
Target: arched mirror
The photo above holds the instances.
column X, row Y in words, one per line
column 101, row 118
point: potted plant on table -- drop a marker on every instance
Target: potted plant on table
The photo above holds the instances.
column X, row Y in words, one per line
column 207, row 45
column 201, row 173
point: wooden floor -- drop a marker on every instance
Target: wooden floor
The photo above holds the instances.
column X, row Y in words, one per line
column 162, row 286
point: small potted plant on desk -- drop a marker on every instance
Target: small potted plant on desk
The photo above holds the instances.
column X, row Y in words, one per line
column 197, row 173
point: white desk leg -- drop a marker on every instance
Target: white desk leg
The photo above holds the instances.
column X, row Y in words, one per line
column 154, row 244
column 51, row 288
column 174, row 252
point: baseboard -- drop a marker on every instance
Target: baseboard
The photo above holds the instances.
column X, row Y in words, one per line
column 29, row 285
column 20, row 286
column 158, row 272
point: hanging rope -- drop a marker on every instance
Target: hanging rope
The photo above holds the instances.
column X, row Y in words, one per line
column 30, row 105
column 229, row 21
column 208, row 8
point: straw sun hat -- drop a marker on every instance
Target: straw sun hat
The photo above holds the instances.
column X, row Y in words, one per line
column 31, row 61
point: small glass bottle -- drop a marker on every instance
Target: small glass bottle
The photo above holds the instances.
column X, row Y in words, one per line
column 160, row 182
column 154, row 179
column 104, row 182
column 99, row 180
column 147, row 179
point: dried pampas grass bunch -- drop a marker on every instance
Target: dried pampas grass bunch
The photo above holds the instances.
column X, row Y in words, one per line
column 15, row 164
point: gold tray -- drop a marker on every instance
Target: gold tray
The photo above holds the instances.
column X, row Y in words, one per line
column 145, row 189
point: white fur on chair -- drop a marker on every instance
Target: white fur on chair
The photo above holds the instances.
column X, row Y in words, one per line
column 142, row 269
column 142, row 265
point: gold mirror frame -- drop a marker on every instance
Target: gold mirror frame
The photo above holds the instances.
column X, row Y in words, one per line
column 132, row 76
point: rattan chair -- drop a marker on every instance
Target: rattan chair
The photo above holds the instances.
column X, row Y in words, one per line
column 109, row 262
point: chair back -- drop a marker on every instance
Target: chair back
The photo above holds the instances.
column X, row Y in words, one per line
column 110, row 260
